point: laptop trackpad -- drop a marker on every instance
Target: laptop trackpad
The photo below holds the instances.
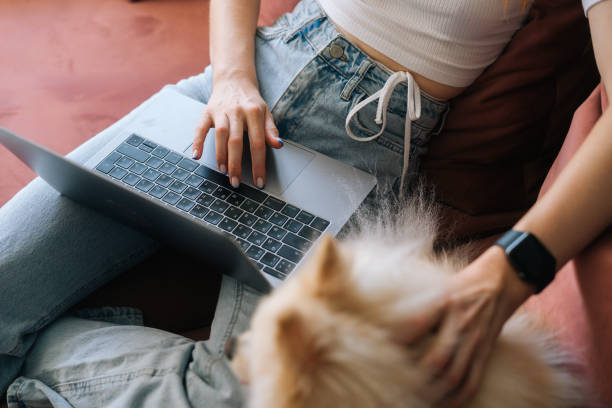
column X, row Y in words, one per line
column 282, row 165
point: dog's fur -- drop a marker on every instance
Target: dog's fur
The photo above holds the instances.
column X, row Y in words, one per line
column 327, row 337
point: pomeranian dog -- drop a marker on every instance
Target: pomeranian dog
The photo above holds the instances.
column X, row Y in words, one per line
column 325, row 337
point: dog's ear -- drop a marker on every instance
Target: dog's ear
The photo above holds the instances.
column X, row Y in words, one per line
column 329, row 275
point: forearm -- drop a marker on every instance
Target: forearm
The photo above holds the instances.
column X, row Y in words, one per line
column 578, row 206
column 600, row 17
column 232, row 36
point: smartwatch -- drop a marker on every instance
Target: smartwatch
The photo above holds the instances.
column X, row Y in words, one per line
column 533, row 263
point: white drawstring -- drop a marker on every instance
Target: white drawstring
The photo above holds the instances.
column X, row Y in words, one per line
column 413, row 112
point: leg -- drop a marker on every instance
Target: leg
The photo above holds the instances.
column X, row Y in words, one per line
column 80, row 362
column 54, row 252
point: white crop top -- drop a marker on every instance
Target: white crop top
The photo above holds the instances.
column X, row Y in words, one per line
column 448, row 41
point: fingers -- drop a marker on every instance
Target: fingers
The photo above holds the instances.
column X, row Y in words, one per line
column 440, row 352
column 472, row 382
column 221, row 137
column 234, row 148
column 272, row 138
column 202, row 129
column 257, row 139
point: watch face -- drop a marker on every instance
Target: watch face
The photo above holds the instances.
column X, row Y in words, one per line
column 532, row 261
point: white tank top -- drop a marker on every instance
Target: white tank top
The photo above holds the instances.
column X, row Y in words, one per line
column 448, row 41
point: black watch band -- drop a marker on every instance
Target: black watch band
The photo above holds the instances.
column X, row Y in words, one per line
column 533, row 263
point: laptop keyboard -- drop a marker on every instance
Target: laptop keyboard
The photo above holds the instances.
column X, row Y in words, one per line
column 273, row 233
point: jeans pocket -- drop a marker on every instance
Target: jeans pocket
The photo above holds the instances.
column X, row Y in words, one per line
column 279, row 28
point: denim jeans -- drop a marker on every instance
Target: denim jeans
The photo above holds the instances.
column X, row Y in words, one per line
column 54, row 252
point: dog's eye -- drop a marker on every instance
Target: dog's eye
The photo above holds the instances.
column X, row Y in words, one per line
column 230, row 348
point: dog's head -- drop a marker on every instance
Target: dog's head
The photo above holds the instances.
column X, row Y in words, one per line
column 319, row 341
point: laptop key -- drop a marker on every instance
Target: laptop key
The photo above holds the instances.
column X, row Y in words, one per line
column 243, row 244
column 138, row 168
column 304, row 217
column 185, row 204
column 271, row 245
column 198, row 211
column 221, row 193
column 274, row 273
column 131, row 179
column 264, row 212
column 125, row 162
column 277, row 232
column 296, row 242
column 285, row 266
column 290, row 210
column 219, row 206
column 191, row 193
column 158, row 191
column 249, row 205
column 256, row 238
column 233, row 212
column 194, row 180
column 262, row 226
column 173, row 157
column 155, row 162
column 255, row 252
column 228, row 224
column 118, row 173
column 160, row 152
column 164, row 180
column 210, row 174
column 309, row 233
column 178, row 186
column 270, row 259
column 188, row 164
column 134, row 139
column 294, row 226
column 205, row 200
column 248, row 219
column 180, row 174
column 133, row 152
column 167, row 168
column 108, row 163
column 235, row 199
column 319, row 223
column 171, row 198
column 278, row 219
column 242, row 231
column 144, row 185
column 274, row 203
column 208, row 187
column 291, row 254
column 149, row 144
column 213, row 217
column 252, row 193
column 145, row 148
column 259, row 265
column 151, row 174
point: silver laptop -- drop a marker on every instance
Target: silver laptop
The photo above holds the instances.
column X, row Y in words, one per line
column 145, row 177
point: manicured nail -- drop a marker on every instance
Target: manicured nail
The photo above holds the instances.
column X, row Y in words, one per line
column 223, row 169
column 235, row 182
column 194, row 155
column 260, row 183
column 280, row 141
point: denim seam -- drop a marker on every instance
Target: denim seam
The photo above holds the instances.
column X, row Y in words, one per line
column 92, row 383
column 62, row 305
column 292, row 34
column 237, row 305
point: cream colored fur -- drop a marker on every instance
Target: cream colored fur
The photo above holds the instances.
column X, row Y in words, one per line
column 326, row 337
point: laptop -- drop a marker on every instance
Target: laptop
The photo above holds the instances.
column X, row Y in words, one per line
column 144, row 176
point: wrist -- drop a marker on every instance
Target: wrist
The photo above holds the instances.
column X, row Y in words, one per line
column 235, row 75
column 516, row 288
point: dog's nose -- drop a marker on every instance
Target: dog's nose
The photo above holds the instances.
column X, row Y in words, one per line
column 230, row 348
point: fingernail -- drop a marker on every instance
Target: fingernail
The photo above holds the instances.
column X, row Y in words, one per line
column 235, row 182
column 260, row 183
column 280, row 141
column 194, row 155
column 223, row 169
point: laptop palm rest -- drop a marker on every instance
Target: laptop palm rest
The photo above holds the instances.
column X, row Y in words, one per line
column 283, row 165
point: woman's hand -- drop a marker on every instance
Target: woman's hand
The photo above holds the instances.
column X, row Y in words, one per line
column 235, row 107
column 469, row 318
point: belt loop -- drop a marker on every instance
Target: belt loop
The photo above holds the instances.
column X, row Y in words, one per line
column 355, row 79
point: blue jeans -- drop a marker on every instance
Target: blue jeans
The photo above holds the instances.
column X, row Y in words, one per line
column 54, row 252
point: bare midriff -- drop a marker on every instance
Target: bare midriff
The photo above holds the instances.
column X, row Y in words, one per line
column 433, row 88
